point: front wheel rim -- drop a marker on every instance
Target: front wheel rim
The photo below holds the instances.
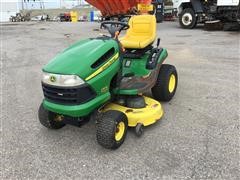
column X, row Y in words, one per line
column 120, row 129
column 172, row 83
column 187, row 19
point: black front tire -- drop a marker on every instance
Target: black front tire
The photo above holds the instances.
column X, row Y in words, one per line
column 47, row 118
column 107, row 127
column 188, row 19
column 162, row 91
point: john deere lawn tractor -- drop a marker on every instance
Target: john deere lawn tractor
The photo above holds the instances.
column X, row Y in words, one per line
column 105, row 78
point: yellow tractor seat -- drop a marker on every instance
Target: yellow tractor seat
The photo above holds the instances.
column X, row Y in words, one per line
column 142, row 32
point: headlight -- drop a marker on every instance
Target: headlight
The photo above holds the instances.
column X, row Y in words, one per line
column 61, row 80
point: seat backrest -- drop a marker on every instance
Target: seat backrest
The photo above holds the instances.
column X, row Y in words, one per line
column 142, row 25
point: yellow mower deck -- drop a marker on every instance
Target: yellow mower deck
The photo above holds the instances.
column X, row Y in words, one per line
column 146, row 116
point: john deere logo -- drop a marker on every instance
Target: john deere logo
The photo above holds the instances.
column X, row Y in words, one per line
column 52, row 78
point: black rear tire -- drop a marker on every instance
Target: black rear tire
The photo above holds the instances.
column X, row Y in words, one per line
column 107, row 127
column 188, row 19
column 162, row 91
column 47, row 118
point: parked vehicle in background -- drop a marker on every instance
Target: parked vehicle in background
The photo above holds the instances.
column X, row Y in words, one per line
column 65, row 17
column 20, row 17
column 159, row 9
column 120, row 9
column 42, row 17
column 192, row 12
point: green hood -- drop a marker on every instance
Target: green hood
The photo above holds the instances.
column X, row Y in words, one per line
column 78, row 58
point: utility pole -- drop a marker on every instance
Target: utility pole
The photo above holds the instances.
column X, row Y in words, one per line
column 22, row 5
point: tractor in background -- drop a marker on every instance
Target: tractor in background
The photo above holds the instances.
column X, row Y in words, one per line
column 226, row 13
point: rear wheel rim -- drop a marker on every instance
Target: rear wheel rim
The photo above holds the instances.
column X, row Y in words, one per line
column 120, row 129
column 172, row 83
column 187, row 19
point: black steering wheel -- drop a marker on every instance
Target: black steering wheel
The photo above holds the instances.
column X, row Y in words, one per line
column 114, row 26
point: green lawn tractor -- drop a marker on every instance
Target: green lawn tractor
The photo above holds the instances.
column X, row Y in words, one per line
column 105, row 78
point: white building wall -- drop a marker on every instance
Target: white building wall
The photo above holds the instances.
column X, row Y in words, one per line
column 8, row 8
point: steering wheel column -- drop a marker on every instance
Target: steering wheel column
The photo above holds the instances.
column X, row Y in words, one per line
column 114, row 27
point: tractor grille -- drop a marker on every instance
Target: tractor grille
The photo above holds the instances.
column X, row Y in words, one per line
column 68, row 95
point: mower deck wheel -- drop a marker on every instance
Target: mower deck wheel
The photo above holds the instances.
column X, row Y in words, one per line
column 139, row 129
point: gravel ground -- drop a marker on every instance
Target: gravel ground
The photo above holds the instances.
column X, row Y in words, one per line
column 198, row 138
